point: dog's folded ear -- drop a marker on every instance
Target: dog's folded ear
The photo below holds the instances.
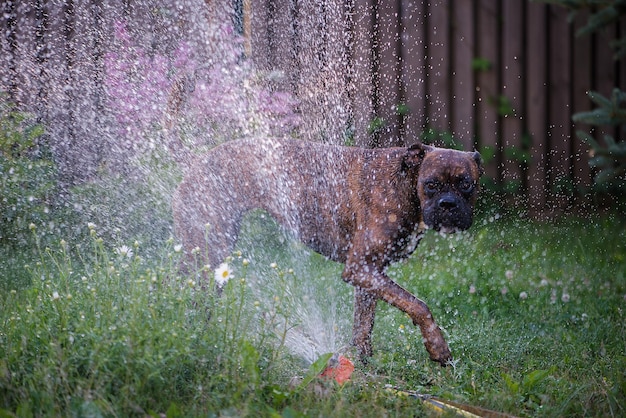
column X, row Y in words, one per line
column 479, row 162
column 414, row 155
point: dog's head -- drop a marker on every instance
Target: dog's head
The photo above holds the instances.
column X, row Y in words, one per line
column 447, row 186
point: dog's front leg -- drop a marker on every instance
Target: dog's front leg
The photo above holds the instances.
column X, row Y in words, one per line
column 373, row 283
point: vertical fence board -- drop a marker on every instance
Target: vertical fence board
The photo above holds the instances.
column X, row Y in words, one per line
column 536, row 119
column 605, row 74
column 310, row 58
column 7, row 46
column 438, row 67
column 581, row 84
column 339, row 70
column 282, row 42
column 488, row 83
column 388, row 33
column 512, row 89
column 260, row 36
column 413, row 68
column 25, row 62
column 363, row 21
column 60, row 117
column 559, row 105
column 462, row 111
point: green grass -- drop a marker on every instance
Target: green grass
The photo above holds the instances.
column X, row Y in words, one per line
column 533, row 312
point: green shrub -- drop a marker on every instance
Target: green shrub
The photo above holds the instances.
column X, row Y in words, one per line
column 27, row 175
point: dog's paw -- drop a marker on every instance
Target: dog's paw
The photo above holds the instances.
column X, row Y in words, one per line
column 443, row 357
column 438, row 350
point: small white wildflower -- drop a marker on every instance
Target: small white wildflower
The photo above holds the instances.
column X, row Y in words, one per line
column 245, row 262
column 565, row 297
column 274, row 265
column 223, row 274
column 472, row 289
column 178, row 248
column 55, row 295
column 508, row 274
column 91, row 225
column 124, row 251
column 504, row 291
column 523, row 295
column 32, row 226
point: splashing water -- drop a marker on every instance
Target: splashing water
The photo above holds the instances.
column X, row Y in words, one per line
column 317, row 329
column 312, row 305
column 174, row 102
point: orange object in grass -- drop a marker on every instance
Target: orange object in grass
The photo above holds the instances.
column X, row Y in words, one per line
column 339, row 369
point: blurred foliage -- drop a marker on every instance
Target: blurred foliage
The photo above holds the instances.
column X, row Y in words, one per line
column 124, row 210
column 608, row 157
column 440, row 138
column 27, row 176
column 481, row 64
column 602, row 13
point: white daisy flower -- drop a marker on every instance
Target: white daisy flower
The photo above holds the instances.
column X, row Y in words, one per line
column 223, row 274
column 124, row 251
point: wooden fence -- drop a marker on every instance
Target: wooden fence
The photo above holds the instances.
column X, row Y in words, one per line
column 504, row 77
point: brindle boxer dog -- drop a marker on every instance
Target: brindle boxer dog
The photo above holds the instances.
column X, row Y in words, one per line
column 364, row 208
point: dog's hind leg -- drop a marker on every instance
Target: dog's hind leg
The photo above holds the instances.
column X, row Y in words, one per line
column 364, row 312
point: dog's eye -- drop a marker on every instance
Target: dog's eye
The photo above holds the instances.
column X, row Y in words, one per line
column 431, row 186
column 466, row 186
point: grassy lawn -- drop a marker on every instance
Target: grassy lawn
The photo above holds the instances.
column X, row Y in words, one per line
column 533, row 312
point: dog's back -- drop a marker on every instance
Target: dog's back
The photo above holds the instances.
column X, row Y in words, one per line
column 301, row 184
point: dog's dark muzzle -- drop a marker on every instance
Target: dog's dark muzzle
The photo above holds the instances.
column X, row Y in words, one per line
column 448, row 213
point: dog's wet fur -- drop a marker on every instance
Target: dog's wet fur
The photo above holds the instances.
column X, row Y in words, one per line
column 364, row 208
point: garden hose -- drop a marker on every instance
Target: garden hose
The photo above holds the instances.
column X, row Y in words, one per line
column 442, row 406
column 340, row 369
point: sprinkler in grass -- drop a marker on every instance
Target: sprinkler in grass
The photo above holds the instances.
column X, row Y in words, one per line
column 339, row 368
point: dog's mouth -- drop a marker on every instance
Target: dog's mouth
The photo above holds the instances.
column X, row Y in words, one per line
column 448, row 229
column 450, row 224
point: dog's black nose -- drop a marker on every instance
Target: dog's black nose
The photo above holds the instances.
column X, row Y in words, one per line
column 447, row 202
